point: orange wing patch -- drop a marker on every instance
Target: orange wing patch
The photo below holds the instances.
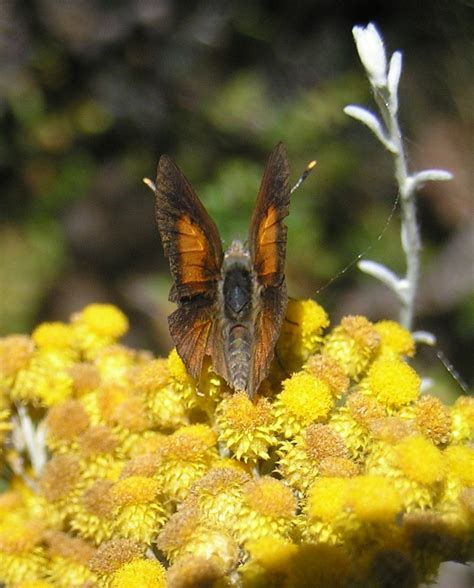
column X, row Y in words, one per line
column 268, row 240
column 193, row 249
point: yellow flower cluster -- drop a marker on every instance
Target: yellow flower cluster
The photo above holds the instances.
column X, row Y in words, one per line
column 339, row 473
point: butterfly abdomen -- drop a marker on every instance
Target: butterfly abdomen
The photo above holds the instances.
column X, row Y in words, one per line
column 239, row 345
column 237, row 291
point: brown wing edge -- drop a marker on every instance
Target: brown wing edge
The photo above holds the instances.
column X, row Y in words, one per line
column 190, row 326
column 267, row 330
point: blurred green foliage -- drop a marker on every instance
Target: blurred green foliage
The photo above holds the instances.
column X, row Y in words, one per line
column 92, row 93
column 32, row 258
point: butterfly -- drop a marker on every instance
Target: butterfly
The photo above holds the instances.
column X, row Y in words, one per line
column 230, row 305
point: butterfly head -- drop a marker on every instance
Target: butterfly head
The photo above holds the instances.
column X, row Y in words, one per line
column 236, row 255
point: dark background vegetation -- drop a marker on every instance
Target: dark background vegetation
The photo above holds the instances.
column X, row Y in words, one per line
column 93, row 92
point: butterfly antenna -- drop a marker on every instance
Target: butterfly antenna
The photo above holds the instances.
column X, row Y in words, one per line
column 453, row 372
column 150, row 184
column 304, row 175
column 365, row 251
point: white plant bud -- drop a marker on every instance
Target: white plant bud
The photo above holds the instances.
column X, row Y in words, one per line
column 372, row 53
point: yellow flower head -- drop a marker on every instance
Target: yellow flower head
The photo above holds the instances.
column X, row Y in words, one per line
column 96, row 440
column 85, row 378
column 54, row 335
column 105, row 320
column 311, row 319
column 21, row 555
column 328, row 369
column 139, row 573
column 190, row 570
column 190, row 442
column 63, row 545
column 269, row 508
column 131, row 415
column 9, row 502
column 184, row 457
column 15, row 352
column 66, row 422
column 364, row 408
column 108, row 398
column 118, row 406
column 180, row 530
column 338, row 467
column 274, row 554
column 177, row 369
column 134, row 490
column 395, row 339
column 320, row 451
column 18, row 535
column 164, row 398
column 433, row 419
column 301, row 332
column 270, row 497
column 295, row 465
column 92, row 514
column 354, row 434
column 153, row 376
column 117, row 364
column 218, row 495
column 45, row 380
column 420, row 460
column 114, row 554
column 180, row 380
column 393, row 382
column 327, row 499
column 98, row 326
column 321, row 441
column 144, row 464
column 460, row 463
column 187, row 533
column 138, row 512
column 60, row 477
column 391, row 429
column 69, row 559
column 167, row 409
column 374, row 499
column 352, row 344
column 246, row 427
column 462, row 415
column 303, row 400
column 300, row 336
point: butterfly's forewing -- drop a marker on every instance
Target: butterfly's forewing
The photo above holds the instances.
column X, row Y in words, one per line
column 193, row 247
column 267, row 230
column 189, row 236
column 267, row 242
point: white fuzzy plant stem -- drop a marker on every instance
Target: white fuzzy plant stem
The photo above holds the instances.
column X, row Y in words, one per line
column 30, row 439
column 384, row 81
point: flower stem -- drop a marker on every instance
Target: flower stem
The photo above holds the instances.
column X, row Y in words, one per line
column 33, row 439
column 410, row 234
